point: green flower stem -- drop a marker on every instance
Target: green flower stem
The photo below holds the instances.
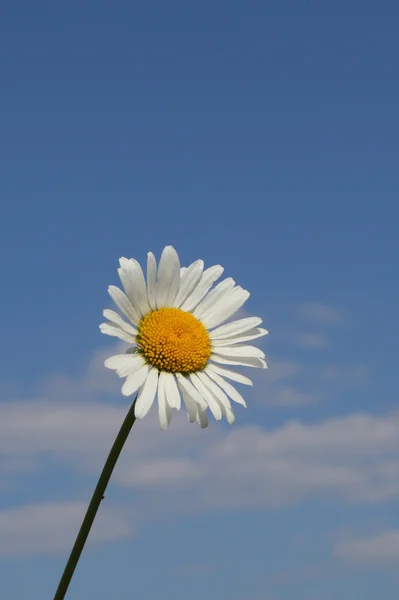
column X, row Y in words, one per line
column 95, row 502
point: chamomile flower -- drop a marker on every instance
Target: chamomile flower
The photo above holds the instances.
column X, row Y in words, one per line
column 182, row 347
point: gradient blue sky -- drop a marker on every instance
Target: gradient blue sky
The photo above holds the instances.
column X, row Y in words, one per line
column 259, row 135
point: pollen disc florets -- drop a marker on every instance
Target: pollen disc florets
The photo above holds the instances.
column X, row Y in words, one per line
column 174, row 340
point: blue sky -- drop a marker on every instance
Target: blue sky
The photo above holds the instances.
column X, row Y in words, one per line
column 258, row 135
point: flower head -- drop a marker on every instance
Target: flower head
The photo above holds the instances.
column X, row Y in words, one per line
column 176, row 323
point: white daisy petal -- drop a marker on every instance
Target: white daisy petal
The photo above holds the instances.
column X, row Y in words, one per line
column 227, row 387
column 133, row 382
column 235, row 328
column 226, row 308
column 215, row 389
column 172, row 391
column 252, row 334
column 136, row 363
column 229, row 374
column 114, row 330
column 189, row 279
column 221, row 290
column 208, row 278
column 147, row 394
column 202, row 418
column 175, row 279
column 206, row 393
column 118, row 361
column 168, row 277
column 171, row 339
column 186, row 386
column 132, row 277
column 227, row 412
column 125, row 364
column 191, row 407
column 223, row 302
column 151, row 280
column 124, row 304
column 244, row 362
column 239, row 351
column 113, row 316
column 164, row 410
column 124, row 262
column 226, row 409
column 126, row 281
column 230, row 416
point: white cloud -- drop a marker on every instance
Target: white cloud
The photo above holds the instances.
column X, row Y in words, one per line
column 311, row 340
column 274, row 388
column 297, row 575
column 378, row 550
column 354, row 458
column 320, row 313
column 288, row 396
column 347, row 374
column 51, row 527
column 96, row 379
column 281, row 370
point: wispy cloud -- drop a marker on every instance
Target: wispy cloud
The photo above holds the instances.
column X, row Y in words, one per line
column 311, row 340
column 285, row 396
column 295, row 576
column 281, row 387
column 50, row 527
column 380, row 549
column 347, row 374
column 282, row 370
column 353, row 458
column 319, row 313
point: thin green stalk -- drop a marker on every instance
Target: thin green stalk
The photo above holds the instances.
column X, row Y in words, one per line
column 95, row 502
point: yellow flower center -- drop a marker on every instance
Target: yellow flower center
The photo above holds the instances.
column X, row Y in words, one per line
column 173, row 340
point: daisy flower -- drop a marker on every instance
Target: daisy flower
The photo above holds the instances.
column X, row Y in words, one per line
column 182, row 346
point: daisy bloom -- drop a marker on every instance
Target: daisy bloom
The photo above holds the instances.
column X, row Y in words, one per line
column 182, row 346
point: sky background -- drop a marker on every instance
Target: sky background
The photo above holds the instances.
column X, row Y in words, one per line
column 259, row 135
